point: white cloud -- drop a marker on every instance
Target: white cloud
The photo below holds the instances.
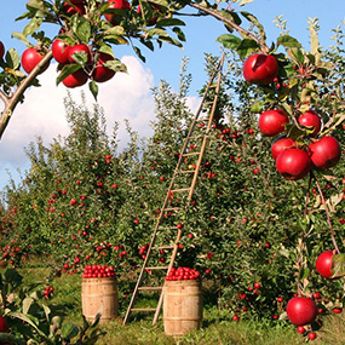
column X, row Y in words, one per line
column 126, row 96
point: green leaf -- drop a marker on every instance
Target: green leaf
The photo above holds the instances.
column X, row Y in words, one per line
column 94, row 89
column 12, row 276
column 115, row 30
column 36, row 4
column 69, row 331
column 33, row 25
column 104, row 48
column 6, row 338
column 297, row 55
column 246, row 47
column 29, row 319
column 233, row 16
column 66, row 71
column 27, row 302
column 148, row 44
column 83, row 30
column 170, row 22
column 12, row 59
column 180, row 34
column 252, row 19
column 139, row 54
column 20, row 36
column 288, row 41
column 338, row 265
column 162, row 3
column 116, row 65
column 157, row 32
column 229, row 41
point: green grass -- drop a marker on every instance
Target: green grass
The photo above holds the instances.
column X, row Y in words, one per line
column 217, row 328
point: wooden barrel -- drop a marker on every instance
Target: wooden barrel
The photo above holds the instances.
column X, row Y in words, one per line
column 99, row 295
column 182, row 306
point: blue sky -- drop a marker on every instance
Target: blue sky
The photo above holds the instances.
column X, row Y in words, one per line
column 163, row 64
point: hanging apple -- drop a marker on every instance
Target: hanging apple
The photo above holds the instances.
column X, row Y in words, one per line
column 325, row 153
column 324, row 264
column 273, row 122
column 260, row 69
column 281, row 145
column 60, row 51
column 310, row 120
column 293, row 164
column 301, row 310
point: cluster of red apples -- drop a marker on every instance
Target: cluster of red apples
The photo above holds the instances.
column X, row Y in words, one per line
column 99, row 271
column 95, row 67
column 294, row 158
column 182, row 273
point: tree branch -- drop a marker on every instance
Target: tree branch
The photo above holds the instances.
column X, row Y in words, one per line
column 243, row 32
column 13, row 101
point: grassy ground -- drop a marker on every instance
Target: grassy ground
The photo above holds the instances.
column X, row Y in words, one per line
column 217, row 327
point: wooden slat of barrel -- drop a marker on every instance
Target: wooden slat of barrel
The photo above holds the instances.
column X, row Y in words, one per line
column 99, row 295
column 182, row 308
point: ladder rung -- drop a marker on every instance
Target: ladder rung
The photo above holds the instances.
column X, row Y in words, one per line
column 150, row 288
column 187, row 171
column 164, row 247
column 157, row 268
column 172, row 208
column 180, row 190
column 144, row 309
column 191, row 154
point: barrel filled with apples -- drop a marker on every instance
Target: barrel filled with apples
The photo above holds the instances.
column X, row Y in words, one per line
column 99, row 293
column 182, row 302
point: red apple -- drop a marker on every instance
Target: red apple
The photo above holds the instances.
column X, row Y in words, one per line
column 311, row 121
column 72, row 7
column 102, row 73
column 260, row 69
column 312, row 336
column 114, row 18
column 324, row 264
column 301, row 330
column 273, row 122
column 2, row 50
column 3, row 325
column 325, row 153
column 30, row 59
column 293, row 164
column 75, row 79
column 60, row 51
column 281, row 145
column 301, row 310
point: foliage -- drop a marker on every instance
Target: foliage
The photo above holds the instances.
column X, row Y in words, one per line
column 32, row 321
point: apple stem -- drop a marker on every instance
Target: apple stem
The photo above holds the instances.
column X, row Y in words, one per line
column 12, row 101
column 329, row 221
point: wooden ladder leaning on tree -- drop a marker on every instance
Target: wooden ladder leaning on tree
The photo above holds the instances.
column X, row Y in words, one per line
column 191, row 174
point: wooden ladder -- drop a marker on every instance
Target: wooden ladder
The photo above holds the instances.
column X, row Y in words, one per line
column 172, row 190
